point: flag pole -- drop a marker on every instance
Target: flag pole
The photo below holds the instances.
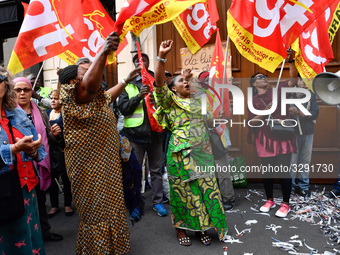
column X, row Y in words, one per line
column 278, row 81
column 225, row 68
column 36, row 80
column 225, row 62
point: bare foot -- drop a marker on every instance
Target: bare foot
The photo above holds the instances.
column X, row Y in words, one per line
column 53, row 210
column 68, row 209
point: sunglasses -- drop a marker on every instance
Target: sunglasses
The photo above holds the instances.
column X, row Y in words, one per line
column 2, row 78
column 25, row 90
column 262, row 76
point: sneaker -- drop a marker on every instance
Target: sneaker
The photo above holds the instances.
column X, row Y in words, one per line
column 160, row 209
column 267, row 206
column 302, row 192
column 334, row 193
column 135, row 215
column 165, row 200
column 283, row 211
column 229, row 205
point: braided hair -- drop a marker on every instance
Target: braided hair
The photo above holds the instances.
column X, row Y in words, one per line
column 68, row 73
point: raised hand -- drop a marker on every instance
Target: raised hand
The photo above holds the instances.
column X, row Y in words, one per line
column 133, row 74
column 165, row 48
column 111, row 43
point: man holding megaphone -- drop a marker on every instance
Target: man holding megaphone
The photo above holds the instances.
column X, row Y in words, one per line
column 327, row 87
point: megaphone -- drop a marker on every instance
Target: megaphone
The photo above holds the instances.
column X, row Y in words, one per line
column 327, row 87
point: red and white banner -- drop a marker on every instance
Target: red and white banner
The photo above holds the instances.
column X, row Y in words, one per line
column 313, row 47
column 197, row 24
column 137, row 15
column 270, row 27
column 148, row 79
column 75, row 28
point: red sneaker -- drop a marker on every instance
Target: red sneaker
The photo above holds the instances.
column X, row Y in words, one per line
column 283, row 211
column 267, row 206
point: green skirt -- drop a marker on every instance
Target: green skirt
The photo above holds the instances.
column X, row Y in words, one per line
column 196, row 205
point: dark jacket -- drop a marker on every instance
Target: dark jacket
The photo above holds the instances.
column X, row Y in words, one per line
column 307, row 122
column 142, row 133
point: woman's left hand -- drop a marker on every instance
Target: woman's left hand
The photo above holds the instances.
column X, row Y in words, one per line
column 56, row 130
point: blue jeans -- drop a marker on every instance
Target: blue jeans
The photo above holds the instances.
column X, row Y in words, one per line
column 336, row 185
column 301, row 160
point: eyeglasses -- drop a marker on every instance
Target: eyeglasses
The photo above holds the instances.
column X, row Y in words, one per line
column 262, row 76
column 2, row 78
column 25, row 90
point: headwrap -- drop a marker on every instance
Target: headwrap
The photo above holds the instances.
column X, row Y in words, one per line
column 43, row 166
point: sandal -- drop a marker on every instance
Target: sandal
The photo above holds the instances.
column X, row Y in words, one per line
column 204, row 238
column 185, row 241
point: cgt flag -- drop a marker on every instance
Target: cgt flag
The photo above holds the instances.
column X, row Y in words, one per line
column 137, row 15
column 216, row 76
column 197, row 24
column 148, row 79
column 313, row 47
column 70, row 29
column 270, row 27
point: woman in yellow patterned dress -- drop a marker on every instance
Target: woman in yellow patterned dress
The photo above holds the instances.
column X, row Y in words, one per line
column 92, row 155
column 194, row 195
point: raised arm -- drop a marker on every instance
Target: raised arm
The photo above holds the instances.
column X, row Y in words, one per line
column 164, row 49
column 90, row 84
column 293, row 73
column 118, row 89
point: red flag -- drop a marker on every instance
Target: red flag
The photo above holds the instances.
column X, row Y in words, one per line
column 148, row 79
column 197, row 24
column 216, row 76
column 213, row 12
column 68, row 29
column 313, row 48
column 270, row 27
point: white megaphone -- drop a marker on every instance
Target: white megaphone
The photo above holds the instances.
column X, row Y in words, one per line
column 327, row 87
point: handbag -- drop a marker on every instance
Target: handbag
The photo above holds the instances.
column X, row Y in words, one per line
column 281, row 127
column 11, row 199
column 57, row 159
column 217, row 146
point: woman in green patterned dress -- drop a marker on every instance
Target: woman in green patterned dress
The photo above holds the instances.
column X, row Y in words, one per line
column 194, row 194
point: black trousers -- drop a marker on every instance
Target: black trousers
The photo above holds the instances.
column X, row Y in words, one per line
column 45, row 226
column 284, row 177
column 54, row 191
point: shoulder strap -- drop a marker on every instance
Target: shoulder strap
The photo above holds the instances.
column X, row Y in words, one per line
column 11, row 131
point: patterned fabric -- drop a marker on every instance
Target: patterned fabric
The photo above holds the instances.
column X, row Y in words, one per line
column 94, row 169
column 196, row 205
column 23, row 236
column 194, row 194
column 184, row 119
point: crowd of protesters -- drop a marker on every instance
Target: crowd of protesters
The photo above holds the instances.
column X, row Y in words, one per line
column 77, row 142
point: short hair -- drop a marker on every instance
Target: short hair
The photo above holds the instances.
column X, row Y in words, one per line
column 136, row 57
column 167, row 74
column 83, row 60
column 172, row 83
column 68, row 73
column 57, row 91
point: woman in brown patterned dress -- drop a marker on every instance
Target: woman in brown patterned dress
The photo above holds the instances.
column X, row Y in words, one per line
column 92, row 155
